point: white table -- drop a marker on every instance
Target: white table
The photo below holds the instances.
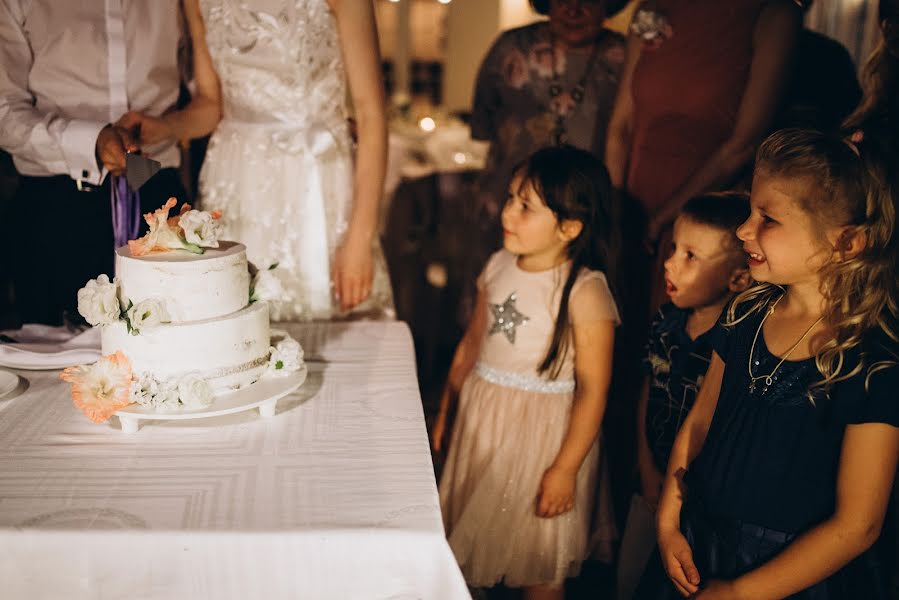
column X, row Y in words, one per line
column 333, row 497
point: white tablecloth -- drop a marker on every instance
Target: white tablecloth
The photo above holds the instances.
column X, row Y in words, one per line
column 333, row 497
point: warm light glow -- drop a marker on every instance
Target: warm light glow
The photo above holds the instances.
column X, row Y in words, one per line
column 427, row 124
column 444, row 1
column 459, row 158
column 395, row 1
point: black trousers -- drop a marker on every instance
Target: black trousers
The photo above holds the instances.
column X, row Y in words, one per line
column 62, row 237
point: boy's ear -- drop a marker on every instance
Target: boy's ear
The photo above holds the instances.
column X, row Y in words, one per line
column 570, row 229
column 739, row 280
column 850, row 242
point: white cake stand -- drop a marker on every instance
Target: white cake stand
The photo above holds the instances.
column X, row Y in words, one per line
column 264, row 395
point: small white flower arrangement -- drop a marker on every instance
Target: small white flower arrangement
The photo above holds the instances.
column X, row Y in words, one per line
column 99, row 304
column 190, row 230
column 286, row 357
column 189, row 392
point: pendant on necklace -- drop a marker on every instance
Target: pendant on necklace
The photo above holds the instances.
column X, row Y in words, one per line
column 559, row 136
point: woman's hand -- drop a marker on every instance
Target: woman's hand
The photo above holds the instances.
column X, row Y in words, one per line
column 148, row 130
column 677, row 558
column 353, row 270
column 556, row 495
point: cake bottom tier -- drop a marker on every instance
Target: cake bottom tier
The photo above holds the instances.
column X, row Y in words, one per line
column 230, row 352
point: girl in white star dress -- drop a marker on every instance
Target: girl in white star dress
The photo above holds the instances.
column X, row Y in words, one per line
column 518, row 484
column 281, row 165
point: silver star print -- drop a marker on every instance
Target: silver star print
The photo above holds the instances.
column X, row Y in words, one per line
column 506, row 318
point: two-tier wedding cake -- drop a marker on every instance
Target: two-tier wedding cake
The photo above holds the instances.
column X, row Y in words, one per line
column 179, row 323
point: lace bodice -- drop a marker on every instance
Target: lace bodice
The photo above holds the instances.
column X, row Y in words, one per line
column 278, row 60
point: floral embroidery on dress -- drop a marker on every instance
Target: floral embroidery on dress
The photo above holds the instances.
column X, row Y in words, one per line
column 514, row 69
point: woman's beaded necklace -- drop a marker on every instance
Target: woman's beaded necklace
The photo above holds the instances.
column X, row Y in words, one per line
column 559, row 135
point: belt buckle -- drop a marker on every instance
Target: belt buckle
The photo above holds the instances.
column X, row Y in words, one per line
column 81, row 186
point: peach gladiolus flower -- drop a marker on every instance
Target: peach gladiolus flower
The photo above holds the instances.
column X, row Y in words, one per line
column 100, row 389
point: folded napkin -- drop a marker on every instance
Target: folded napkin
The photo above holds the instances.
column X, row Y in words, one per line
column 44, row 347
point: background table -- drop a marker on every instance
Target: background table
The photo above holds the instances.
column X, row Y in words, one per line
column 333, row 497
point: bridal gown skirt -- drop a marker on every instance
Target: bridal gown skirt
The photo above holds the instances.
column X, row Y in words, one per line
column 286, row 193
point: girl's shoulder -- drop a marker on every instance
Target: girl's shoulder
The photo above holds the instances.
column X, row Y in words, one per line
column 499, row 261
column 591, row 299
column 869, row 395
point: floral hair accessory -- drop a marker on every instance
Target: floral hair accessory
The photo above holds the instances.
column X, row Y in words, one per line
column 652, row 27
column 100, row 389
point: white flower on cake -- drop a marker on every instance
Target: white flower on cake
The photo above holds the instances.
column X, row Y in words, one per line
column 150, row 393
column 267, row 286
column 146, row 314
column 98, row 301
column 201, row 228
column 286, row 358
column 189, row 392
column 194, row 391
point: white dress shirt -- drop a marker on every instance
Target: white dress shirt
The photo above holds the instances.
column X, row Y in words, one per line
column 69, row 68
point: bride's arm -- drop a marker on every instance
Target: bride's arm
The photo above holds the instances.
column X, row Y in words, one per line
column 353, row 269
column 204, row 110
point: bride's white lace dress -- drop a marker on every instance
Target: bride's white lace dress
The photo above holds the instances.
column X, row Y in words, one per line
column 280, row 163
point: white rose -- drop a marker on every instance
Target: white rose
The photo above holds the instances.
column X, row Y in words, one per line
column 286, row 357
column 147, row 314
column 267, row 286
column 201, row 228
column 194, row 391
column 98, row 301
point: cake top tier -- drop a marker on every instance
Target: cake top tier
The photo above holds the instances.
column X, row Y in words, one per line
column 193, row 287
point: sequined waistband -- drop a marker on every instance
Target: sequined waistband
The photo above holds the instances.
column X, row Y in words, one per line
column 524, row 382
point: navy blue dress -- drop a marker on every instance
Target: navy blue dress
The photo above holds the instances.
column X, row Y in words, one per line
column 768, row 469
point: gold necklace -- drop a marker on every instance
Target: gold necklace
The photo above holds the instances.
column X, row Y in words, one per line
column 769, row 378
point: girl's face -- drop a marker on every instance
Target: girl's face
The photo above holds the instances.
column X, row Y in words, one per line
column 530, row 228
column 783, row 243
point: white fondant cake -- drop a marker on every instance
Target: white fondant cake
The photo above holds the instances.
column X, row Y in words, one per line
column 228, row 352
column 192, row 287
column 214, row 331
column 178, row 325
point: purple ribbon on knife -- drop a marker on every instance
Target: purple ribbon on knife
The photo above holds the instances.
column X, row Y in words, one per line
column 126, row 213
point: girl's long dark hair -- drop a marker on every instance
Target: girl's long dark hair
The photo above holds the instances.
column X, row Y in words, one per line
column 574, row 185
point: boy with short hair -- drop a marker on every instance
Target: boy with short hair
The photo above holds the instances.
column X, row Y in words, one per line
column 706, row 268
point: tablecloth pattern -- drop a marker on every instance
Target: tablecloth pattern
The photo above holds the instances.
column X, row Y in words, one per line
column 333, row 497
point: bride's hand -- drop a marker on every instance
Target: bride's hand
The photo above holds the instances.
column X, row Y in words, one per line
column 353, row 270
column 149, row 130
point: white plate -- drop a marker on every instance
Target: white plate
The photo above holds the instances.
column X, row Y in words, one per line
column 69, row 358
column 8, row 382
column 264, row 394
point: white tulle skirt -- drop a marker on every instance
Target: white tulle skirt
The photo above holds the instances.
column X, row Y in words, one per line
column 286, row 193
column 502, row 442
